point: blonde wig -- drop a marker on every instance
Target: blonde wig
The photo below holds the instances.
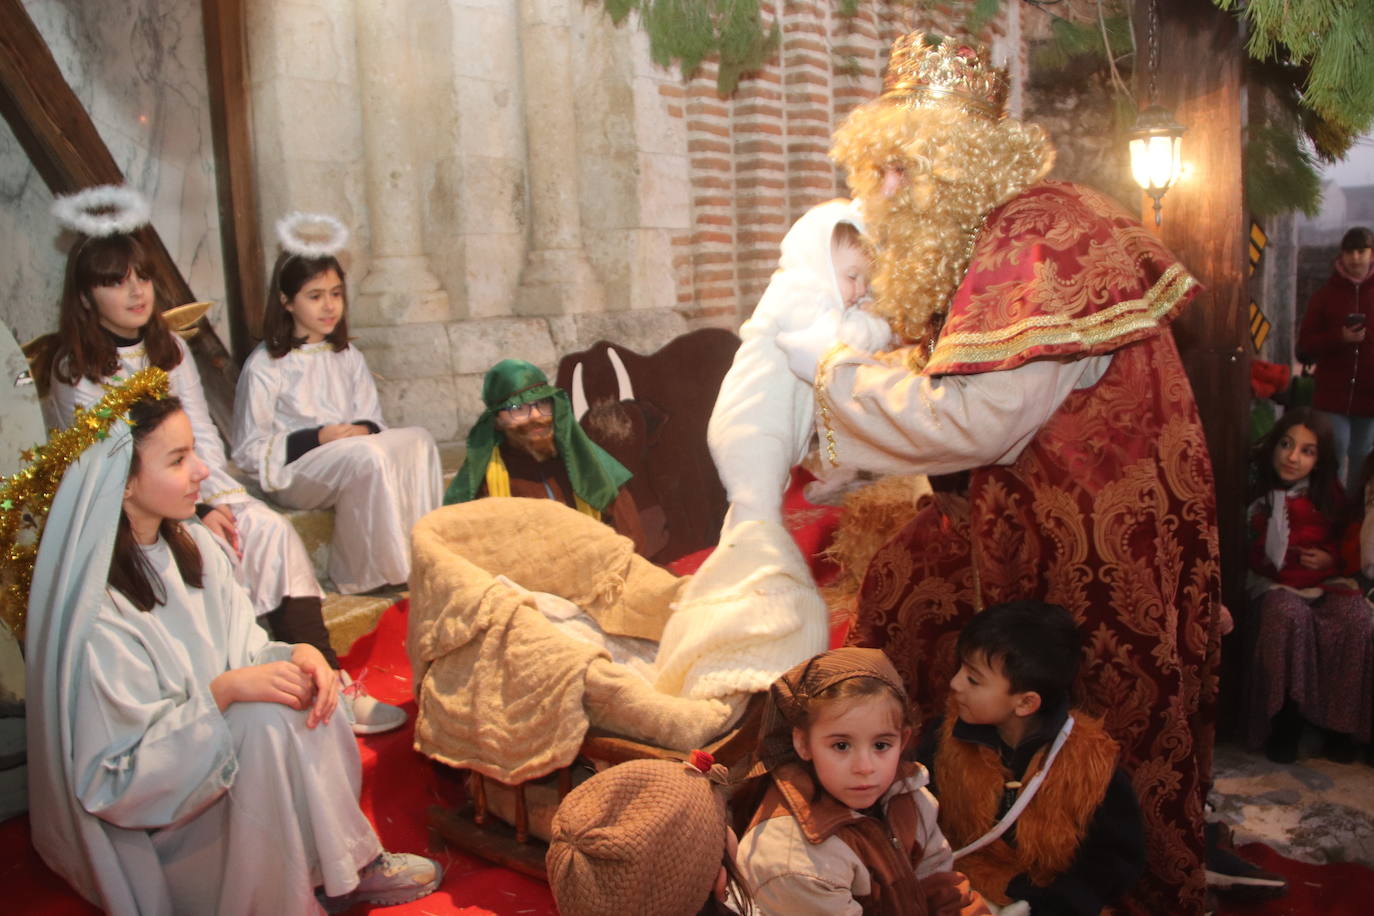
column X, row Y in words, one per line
column 958, row 167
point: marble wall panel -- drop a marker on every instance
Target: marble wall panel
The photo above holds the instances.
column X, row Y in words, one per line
column 138, row 67
column 31, row 259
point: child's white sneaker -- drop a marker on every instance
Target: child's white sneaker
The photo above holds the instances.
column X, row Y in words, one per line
column 390, row 879
column 367, row 714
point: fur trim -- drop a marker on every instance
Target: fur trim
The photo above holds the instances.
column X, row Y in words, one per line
column 104, row 210
column 1048, row 833
column 873, row 516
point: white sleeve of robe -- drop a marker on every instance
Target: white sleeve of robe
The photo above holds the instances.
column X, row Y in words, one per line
column 150, row 746
column 889, row 420
column 65, row 399
column 258, row 448
column 367, row 404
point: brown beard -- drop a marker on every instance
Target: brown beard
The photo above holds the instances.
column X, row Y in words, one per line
column 523, row 437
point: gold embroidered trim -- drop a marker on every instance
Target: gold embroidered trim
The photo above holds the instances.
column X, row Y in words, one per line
column 267, row 463
column 1051, row 330
column 223, row 493
column 823, row 402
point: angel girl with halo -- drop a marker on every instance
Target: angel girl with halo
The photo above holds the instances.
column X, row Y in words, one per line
column 308, row 422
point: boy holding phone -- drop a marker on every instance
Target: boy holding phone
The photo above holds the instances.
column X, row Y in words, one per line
column 1333, row 336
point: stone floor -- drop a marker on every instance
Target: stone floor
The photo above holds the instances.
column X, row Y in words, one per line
column 1313, row 810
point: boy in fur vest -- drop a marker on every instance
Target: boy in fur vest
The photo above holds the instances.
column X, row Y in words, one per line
column 1030, row 795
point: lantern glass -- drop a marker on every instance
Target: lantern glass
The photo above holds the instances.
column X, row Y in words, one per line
column 1156, row 161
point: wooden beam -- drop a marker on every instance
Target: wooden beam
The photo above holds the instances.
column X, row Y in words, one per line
column 67, row 151
column 1201, row 78
column 226, row 65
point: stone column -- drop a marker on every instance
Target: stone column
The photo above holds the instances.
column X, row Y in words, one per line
column 399, row 287
column 557, row 279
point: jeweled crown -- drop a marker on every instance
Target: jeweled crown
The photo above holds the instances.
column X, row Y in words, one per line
column 924, row 72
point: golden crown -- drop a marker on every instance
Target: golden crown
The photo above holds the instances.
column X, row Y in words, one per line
column 923, row 71
column 27, row 495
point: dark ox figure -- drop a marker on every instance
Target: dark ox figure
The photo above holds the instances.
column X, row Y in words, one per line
column 650, row 413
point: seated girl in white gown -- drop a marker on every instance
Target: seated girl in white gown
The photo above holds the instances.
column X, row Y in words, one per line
column 308, row 423
column 109, row 328
column 181, row 762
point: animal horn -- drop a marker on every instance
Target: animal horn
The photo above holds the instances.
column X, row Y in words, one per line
column 624, row 389
column 579, row 394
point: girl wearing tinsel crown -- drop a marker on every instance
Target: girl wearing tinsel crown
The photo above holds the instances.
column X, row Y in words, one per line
column 308, row 423
column 109, row 329
column 180, row 762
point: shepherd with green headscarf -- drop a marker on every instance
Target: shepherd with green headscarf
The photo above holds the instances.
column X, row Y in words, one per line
column 528, row 443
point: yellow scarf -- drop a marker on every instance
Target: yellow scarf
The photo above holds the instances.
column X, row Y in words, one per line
column 498, row 484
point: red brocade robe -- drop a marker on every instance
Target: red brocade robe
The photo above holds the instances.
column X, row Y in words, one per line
column 1108, row 509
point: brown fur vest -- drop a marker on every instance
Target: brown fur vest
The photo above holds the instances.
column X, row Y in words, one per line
column 971, row 780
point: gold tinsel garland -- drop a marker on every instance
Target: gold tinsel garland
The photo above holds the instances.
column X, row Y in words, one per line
column 27, row 495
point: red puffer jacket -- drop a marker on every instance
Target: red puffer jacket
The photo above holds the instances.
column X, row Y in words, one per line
column 1307, row 527
column 1345, row 371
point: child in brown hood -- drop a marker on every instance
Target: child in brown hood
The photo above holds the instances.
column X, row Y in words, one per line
column 846, row 825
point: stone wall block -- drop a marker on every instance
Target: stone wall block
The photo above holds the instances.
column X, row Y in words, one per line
column 478, row 344
column 484, row 43
column 651, row 286
column 490, row 121
column 492, row 196
column 492, row 276
column 317, row 121
column 301, row 41
column 656, row 129
column 664, row 192
column 641, row 331
column 428, row 402
column 468, row 400
column 406, row 351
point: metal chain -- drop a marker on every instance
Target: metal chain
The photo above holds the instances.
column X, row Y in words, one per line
column 1151, row 39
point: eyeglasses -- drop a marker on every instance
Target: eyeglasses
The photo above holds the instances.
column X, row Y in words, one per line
column 523, row 411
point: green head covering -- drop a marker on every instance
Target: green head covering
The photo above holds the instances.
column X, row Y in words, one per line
column 596, row 476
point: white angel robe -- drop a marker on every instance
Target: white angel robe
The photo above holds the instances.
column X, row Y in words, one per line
column 275, row 563
column 379, row 485
column 181, row 808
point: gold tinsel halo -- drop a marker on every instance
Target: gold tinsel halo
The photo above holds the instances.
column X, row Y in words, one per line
column 27, row 495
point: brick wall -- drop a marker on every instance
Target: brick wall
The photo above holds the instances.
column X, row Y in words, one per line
column 758, row 159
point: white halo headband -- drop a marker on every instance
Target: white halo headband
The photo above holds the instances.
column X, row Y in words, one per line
column 311, row 235
column 107, row 209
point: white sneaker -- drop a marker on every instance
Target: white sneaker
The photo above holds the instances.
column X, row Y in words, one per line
column 390, row 879
column 368, row 715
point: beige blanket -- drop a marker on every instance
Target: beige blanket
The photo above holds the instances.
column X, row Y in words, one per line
column 500, row 689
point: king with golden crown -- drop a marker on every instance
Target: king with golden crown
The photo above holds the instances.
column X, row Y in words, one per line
column 1040, row 389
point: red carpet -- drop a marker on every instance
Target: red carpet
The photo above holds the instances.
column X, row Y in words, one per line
column 398, row 785
column 1344, row 889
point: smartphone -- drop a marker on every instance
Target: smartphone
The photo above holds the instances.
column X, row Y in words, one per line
column 1354, row 320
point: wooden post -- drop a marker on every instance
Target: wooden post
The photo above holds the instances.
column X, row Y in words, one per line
column 226, row 60
column 1201, row 78
column 69, row 154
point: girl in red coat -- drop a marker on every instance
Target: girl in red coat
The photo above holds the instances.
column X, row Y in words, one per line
column 1313, row 659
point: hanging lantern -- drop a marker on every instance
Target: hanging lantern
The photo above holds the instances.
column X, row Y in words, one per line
column 1156, row 153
